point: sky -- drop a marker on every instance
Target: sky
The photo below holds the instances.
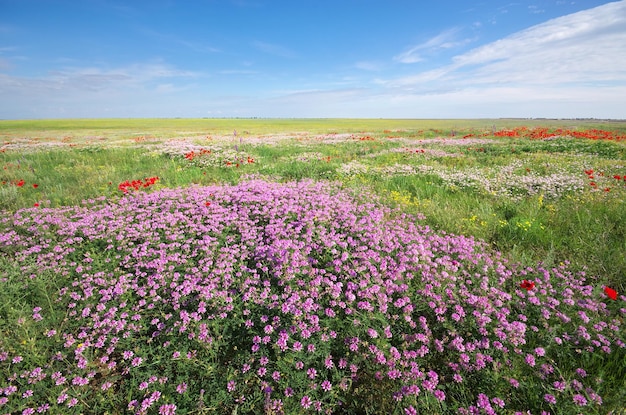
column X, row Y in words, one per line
column 312, row 59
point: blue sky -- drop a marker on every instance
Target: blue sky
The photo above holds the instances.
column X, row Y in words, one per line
column 312, row 58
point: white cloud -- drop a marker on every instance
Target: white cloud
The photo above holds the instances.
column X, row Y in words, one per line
column 5, row 64
column 369, row 66
column 237, row 72
column 584, row 47
column 445, row 40
column 93, row 78
column 132, row 91
column 195, row 46
column 572, row 66
column 274, row 49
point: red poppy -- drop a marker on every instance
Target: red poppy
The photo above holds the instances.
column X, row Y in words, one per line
column 527, row 285
column 610, row 292
column 35, row 185
column 20, row 183
column 36, row 205
column 207, row 204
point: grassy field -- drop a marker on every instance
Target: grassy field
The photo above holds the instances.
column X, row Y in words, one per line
column 167, row 127
column 476, row 266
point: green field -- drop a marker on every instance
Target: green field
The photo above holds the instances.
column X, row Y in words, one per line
column 73, row 160
column 168, row 127
column 546, row 194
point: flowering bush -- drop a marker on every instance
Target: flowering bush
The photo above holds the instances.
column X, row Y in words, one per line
column 290, row 298
column 218, row 157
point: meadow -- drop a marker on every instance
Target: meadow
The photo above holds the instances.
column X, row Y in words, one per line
column 243, row 266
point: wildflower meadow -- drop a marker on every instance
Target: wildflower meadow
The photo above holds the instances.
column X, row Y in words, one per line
column 346, row 267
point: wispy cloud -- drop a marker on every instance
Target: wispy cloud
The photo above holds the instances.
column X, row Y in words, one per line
column 274, row 49
column 238, row 72
column 94, row 79
column 588, row 47
column 369, row 66
column 195, row 46
column 534, row 9
column 133, row 90
column 445, row 40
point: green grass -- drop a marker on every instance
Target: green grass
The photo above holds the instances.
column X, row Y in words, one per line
column 90, row 158
column 172, row 127
column 587, row 229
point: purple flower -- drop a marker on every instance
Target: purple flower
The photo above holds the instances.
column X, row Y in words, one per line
column 168, row 409
column 579, row 400
column 305, row 402
column 549, row 398
column 483, row 401
column 499, row 402
column 181, row 388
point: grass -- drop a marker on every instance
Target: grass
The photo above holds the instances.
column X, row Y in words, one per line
column 556, row 230
column 546, row 204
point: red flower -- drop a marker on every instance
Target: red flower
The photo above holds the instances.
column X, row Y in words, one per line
column 610, row 292
column 20, row 183
column 207, row 204
column 527, row 285
column 35, row 185
column 36, row 205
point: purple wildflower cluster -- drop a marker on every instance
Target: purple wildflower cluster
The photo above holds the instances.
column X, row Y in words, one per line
column 288, row 298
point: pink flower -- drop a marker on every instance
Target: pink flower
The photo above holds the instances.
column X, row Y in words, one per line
column 181, row 388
